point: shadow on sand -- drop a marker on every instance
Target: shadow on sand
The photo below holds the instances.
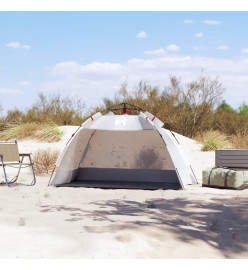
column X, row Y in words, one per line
column 221, row 223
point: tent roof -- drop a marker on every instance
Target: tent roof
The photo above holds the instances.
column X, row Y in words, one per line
column 125, row 122
column 121, row 122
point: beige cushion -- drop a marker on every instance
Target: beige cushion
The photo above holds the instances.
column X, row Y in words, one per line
column 10, row 152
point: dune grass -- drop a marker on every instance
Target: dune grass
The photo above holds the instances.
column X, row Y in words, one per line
column 19, row 131
column 49, row 133
column 212, row 140
column 45, row 132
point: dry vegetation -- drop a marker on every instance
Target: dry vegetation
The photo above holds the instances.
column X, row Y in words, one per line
column 45, row 132
column 41, row 120
column 49, row 133
column 240, row 140
column 44, row 160
column 212, row 140
column 192, row 109
column 47, row 109
column 184, row 108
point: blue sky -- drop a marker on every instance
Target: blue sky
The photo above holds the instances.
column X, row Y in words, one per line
column 89, row 54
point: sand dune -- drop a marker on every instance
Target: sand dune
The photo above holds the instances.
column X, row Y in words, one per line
column 49, row 222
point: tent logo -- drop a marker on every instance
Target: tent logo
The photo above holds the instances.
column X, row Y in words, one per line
column 120, row 122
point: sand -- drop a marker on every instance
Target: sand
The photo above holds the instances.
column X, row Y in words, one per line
column 50, row 222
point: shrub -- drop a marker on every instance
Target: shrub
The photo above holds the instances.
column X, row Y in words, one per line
column 240, row 140
column 44, row 160
column 225, row 107
column 61, row 110
column 185, row 108
column 14, row 116
column 229, row 122
column 243, row 109
column 212, row 140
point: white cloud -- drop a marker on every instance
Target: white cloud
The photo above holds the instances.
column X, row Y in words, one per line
column 17, row 45
column 155, row 52
column 199, row 35
column 199, row 48
column 244, row 50
column 173, row 48
column 211, row 22
column 9, row 91
column 142, row 34
column 223, row 47
column 96, row 68
column 189, row 21
column 96, row 80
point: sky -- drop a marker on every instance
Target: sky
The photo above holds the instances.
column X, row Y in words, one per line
column 89, row 54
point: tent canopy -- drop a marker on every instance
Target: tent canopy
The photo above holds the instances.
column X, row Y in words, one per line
column 123, row 151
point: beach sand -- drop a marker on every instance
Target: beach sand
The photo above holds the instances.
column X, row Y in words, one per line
column 49, row 222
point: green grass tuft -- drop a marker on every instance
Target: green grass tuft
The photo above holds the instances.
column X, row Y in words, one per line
column 21, row 131
column 49, row 133
column 212, row 140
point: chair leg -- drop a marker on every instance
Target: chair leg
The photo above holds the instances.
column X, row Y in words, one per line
column 51, row 175
column 16, row 177
column 5, row 174
column 19, row 168
column 32, row 166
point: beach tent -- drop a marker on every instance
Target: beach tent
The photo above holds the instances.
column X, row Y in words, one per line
column 123, row 151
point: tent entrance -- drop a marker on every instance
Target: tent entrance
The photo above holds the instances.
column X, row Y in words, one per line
column 122, row 185
column 126, row 159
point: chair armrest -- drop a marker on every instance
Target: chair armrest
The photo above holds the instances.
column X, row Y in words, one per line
column 24, row 154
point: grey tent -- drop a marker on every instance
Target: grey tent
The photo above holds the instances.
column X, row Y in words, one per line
column 123, row 151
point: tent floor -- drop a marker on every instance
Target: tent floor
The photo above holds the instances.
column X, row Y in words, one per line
column 121, row 185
